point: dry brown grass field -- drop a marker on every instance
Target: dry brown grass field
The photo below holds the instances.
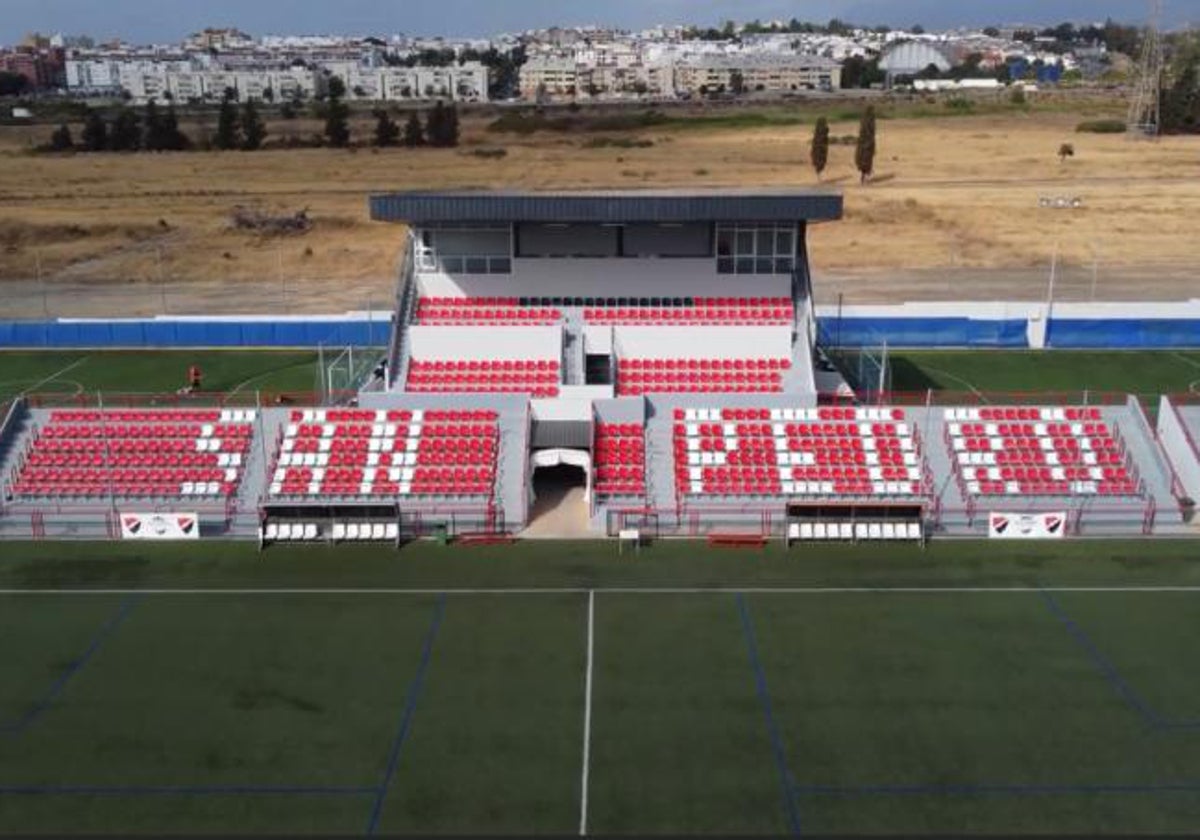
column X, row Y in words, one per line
column 952, row 212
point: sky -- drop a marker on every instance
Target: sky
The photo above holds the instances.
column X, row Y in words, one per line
column 169, row 21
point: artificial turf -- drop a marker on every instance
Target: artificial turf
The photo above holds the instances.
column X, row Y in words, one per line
column 1013, row 707
column 737, row 708
column 155, row 371
column 1146, row 373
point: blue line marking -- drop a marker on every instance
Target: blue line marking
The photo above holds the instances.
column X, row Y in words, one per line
column 995, row 789
column 760, row 679
column 16, row 727
column 1152, row 717
column 185, row 790
column 410, row 705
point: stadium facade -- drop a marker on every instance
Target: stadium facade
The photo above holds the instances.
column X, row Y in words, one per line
column 599, row 363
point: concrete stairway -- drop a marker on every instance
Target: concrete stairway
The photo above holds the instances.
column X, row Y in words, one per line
column 14, row 444
column 660, row 455
column 931, row 423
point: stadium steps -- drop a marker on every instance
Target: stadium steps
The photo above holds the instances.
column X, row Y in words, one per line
column 660, row 456
column 799, row 379
column 253, row 491
column 573, row 361
column 931, row 423
column 12, row 444
column 512, row 464
column 1148, row 456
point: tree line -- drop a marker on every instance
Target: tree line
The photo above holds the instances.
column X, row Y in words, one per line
column 242, row 128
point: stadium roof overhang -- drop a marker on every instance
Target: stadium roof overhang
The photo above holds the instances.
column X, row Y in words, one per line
column 608, row 207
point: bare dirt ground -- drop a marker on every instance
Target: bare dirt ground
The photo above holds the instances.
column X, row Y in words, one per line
column 953, row 212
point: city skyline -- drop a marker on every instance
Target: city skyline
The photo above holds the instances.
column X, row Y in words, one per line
column 168, row 21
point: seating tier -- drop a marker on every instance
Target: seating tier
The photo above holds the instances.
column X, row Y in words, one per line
column 1045, row 451
column 822, row 452
column 647, row 376
column 522, row 376
column 704, row 311
column 92, row 453
column 387, row 453
column 619, row 458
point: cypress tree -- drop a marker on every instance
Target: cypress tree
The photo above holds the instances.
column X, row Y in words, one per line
column 387, row 132
column 228, row 128
column 254, row 131
column 337, row 115
column 414, row 133
column 95, row 132
column 126, row 134
column 819, row 153
column 61, row 140
column 864, row 152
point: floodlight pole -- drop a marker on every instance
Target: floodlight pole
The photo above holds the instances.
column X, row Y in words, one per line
column 42, row 283
column 162, row 280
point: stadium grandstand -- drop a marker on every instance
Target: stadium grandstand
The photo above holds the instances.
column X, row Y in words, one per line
column 601, row 363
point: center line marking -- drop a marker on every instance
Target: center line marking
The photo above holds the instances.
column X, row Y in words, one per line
column 587, row 714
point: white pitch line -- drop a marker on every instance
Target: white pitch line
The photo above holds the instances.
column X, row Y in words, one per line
column 587, row 715
column 619, row 590
column 53, row 376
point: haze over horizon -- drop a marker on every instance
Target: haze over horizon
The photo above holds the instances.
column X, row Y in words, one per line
column 169, row 21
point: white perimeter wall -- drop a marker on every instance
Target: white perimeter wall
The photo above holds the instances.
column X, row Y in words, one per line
column 498, row 343
column 574, row 402
column 1179, row 447
column 996, row 310
column 608, row 278
column 704, row 342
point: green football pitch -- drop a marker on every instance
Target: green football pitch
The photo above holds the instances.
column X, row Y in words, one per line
column 155, row 371
column 545, row 688
column 1148, row 373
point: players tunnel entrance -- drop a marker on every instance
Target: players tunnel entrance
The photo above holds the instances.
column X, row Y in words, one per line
column 560, row 486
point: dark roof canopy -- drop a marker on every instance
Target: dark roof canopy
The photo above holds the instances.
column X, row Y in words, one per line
column 609, row 206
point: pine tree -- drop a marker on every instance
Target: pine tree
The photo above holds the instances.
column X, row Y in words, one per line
column 254, row 131
column 228, row 128
column 864, row 152
column 414, row 134
column 387, row 132
column 61, row 140
column 820, row 146
column 126, row 134
column 95, row 132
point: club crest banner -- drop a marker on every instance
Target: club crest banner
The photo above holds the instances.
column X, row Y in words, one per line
column 1027, row 526
column 160, row 526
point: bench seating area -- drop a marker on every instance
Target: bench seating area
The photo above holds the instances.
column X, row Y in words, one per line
column 338, row 532
column 702, row 312
column 817, row 452
column 853, row 531
column 619, row 458
column 137, row 454
column 1047, row 451
column 540, row 378
column 698, row 376
column 482, row 311
column 369, row 453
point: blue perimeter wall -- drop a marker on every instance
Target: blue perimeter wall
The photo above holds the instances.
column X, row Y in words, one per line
column 922, row 332
column 1064, row 333
column 1123, row 333
column 193, row 333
